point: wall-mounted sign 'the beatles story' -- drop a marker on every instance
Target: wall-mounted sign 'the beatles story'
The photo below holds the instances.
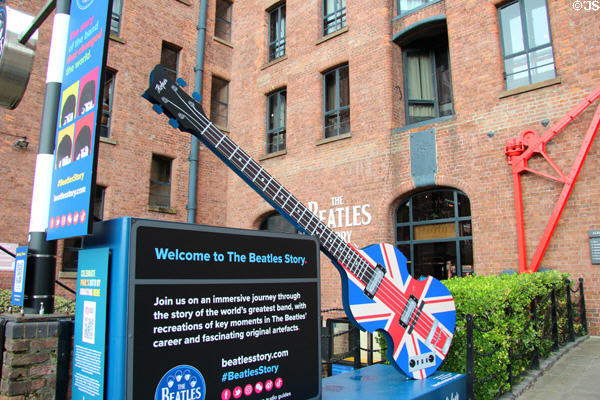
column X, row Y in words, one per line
column 341, row 216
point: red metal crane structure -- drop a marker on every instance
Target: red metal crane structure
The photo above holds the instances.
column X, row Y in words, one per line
column 520, row 150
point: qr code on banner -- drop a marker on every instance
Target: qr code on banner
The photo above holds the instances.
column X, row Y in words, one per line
column 89, row 322
column 19, row 267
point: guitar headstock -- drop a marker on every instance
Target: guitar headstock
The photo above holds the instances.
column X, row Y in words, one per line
column 167, row 96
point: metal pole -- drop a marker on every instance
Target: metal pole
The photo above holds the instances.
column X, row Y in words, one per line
column 41, row 258
column 554, row 318
column 470, row 359
column 570, row 313
column 195, row 144
column 582, row 306
column 535, row 361
column 355, row 340
column 369, row 348
column 63, row 357
column 38, row 21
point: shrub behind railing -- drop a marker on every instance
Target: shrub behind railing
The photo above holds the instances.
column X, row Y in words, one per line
column 506, row 337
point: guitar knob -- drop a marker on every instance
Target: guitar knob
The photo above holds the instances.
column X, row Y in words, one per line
column 181, row 82
column 197, row 96
column 174, row 123
column 157, row 108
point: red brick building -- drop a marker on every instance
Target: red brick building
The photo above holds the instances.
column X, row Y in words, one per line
column 387, row 118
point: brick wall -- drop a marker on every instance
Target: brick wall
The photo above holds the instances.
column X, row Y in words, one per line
column 29, row 364
column 372, row 166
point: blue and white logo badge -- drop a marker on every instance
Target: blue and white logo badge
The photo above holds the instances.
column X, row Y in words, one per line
column 83, row 4
column 183, row 382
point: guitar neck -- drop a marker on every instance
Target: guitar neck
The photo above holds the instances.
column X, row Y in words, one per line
column 280, row 198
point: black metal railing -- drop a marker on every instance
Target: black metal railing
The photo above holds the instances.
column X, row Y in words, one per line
column 523, row 350
column 349, row 340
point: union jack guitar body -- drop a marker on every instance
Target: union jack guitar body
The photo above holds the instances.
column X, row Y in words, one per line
column 416, row 316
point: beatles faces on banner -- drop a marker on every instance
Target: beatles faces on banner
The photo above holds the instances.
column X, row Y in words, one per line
column 75, row 140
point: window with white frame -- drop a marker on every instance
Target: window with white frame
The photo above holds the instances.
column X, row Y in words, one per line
column 526, row 43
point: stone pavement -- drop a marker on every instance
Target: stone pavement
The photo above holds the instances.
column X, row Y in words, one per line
column 572, row 373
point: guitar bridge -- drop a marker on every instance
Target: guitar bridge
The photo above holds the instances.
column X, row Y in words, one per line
column 373, row 284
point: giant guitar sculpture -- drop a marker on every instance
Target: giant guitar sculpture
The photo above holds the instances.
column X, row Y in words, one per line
column 416, row 316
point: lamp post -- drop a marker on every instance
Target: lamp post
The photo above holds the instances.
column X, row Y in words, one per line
column 41, row 259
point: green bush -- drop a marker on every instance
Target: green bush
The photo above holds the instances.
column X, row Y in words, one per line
column 501, row 305
column 61, row 304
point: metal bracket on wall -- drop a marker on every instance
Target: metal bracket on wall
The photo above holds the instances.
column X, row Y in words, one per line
column 530, row 143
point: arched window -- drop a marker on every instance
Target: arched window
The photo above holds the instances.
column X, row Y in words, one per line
column 276, row 223
column 433, row 231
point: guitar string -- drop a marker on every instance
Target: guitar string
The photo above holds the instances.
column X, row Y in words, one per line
column 250, row 162
column 324, row 229
column 235, row 148
column 386, row 289
column 396, row 295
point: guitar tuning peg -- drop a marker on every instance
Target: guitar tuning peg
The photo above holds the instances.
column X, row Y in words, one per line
column 197, row 96
column 181, row 82
column 157, row 108
column 174, row 123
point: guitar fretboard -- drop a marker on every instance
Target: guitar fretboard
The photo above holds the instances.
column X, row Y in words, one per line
column 265, row 184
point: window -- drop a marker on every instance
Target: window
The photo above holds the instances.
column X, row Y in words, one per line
column 223, row 20
column 276, row 109
column 336, row 102
column 427, row 86
column 433, row 231
column 526, row 43
column 277, row 223
column 334, row 16
column 115, row 20
column 160, row 182
column 277, row 33
column 406, row 6
column 99, row 203
column 219, row 98
column 71, row 246
column 169, row 58
column 107, row 101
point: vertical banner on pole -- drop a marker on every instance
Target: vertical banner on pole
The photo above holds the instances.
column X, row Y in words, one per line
column 18, row 292
column 80, row 112
column 89, row 343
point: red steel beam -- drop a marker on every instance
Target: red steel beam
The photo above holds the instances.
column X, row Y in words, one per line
column 565, row 193
column 520, row 150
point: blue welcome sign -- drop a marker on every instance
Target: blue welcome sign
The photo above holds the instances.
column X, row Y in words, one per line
column 75, row 152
